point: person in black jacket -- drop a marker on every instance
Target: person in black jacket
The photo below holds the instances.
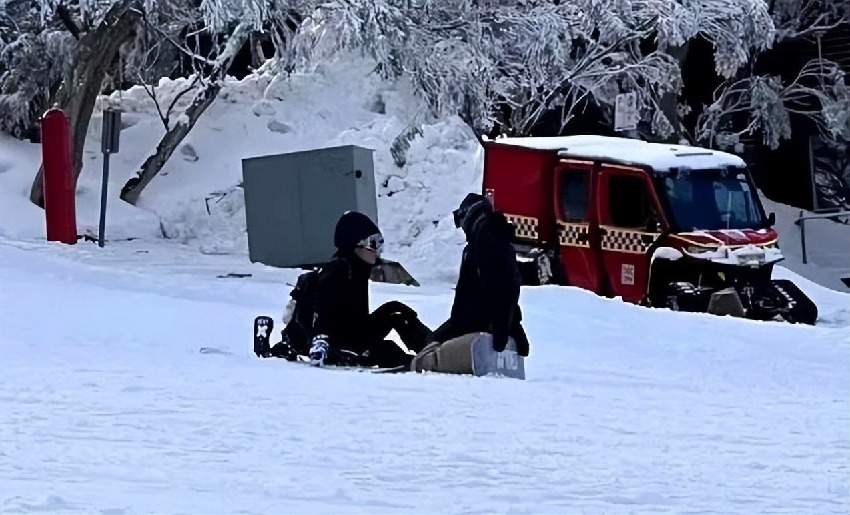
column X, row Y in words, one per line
column 345, row 331
column 488, row 286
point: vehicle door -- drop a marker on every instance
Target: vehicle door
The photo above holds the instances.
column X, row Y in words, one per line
column 577, row 233
column 629, row 223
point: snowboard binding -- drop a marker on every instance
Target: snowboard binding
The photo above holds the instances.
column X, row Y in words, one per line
column 263, row 326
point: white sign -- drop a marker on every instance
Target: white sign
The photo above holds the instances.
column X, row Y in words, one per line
column 627, row 274
column 625, row 112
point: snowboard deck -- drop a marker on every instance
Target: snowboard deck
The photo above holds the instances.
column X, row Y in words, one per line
column 374, row 370
column 485, row 361
column 488, row 362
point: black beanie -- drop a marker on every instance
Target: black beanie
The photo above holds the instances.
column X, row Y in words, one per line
column 469, row 200
column 472, row 208
column 351, row 228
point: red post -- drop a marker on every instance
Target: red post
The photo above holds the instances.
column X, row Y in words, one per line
column 59, row 183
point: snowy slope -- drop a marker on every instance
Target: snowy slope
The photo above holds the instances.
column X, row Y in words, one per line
column 109, row 407
column 827, row 244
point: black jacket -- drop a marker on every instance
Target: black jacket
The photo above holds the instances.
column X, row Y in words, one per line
column 488, row 286
column 342, row 307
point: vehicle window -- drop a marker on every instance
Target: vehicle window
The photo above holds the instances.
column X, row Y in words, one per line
column 733, row 198
column 574, row 195
column 628, row 202
column 712, row 199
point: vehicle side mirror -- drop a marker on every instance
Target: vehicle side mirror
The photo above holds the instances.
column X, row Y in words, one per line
column 771, row 219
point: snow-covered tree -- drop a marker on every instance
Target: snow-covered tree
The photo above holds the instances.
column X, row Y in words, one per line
column 795, row 19
column 747, row 103
column 506, row 63
column 207, row 87
column 32, row 59
column 235, row 19
column 509, row 63
column 114, row 37
column 766, row 104
column 502, row 66
column 100, row 30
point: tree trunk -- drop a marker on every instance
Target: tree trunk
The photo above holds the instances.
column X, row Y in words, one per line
column 669, row 102
column 258, row 57
column 202, row 100
column 95, row 53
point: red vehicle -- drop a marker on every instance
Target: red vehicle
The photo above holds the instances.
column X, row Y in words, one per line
column 656, row 224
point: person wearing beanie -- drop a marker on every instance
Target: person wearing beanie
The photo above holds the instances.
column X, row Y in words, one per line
column 488, row 285
column 343, row 326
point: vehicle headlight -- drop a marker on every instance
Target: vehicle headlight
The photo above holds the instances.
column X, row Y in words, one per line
column 697, row 250
column 751, row 256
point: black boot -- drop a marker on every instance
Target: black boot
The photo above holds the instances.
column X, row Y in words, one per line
column 282, row 349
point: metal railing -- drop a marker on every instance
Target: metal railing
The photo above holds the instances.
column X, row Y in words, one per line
column 801, row 221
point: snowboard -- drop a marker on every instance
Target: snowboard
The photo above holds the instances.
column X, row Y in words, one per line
column 375, row 370
column 487, row 362
column 263, row 326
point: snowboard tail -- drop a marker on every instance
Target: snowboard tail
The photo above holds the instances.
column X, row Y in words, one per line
column 263, row 326
column 488, row 362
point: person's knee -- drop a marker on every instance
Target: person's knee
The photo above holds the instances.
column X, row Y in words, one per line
column 395, row 307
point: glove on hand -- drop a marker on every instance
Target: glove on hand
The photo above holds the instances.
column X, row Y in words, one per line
column 319, row 350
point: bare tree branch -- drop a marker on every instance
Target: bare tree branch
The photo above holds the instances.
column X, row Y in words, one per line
column 204, row 97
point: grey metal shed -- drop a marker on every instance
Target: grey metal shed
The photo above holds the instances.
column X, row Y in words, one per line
column 293, row 200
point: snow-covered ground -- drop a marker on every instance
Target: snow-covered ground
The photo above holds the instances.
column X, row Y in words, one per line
column 109, row 407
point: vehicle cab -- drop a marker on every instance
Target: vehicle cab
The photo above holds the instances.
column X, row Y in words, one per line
column 601, row 212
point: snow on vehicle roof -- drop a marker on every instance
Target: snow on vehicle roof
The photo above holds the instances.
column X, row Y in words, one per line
column 658, row 156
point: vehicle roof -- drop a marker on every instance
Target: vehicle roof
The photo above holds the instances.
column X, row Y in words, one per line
column 658, row 156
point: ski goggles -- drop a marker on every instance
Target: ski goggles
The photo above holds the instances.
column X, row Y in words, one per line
column 374, row 242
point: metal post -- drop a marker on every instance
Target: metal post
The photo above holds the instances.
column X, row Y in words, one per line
column 109, row 144
column 803, row 236
column 801, row 221
column 102, row 228
column 812, row 172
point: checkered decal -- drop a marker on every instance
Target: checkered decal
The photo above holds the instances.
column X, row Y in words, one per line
column 525, row 227
column 569, row 235
column 620, row 240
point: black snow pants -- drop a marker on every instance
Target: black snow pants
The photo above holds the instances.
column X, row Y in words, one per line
column 376, row 350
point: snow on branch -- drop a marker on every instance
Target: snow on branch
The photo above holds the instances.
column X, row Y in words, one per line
column 31, row 67
column 736, row 29
column 803, row 18
column 589, row 54
column 817, row 92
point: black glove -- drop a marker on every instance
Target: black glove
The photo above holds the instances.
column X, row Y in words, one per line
column 500, row 340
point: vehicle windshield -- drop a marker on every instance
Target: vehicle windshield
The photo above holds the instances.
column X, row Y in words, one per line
column 712, row 200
